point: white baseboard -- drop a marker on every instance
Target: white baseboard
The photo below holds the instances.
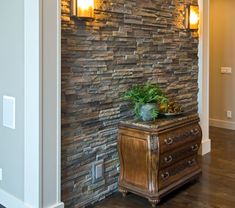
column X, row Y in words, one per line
column 205, row 147
column 10, row 201
column 59, row 205
column 222, row 124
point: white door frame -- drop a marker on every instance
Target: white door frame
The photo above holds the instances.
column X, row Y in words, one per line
column 51, row 91
column 203, row 81
column 42, row 181
column 33, row 104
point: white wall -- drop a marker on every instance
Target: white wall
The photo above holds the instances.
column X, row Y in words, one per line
column 12, row 84
column 51, row 104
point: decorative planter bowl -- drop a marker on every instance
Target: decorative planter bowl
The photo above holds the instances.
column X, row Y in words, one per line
column 146, row 111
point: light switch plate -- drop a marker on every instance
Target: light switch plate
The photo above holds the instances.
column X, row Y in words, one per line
column 0, row 174
column 226, row 70
column 9, row 112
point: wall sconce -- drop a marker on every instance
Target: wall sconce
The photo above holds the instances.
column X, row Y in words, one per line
column 82, row 9
column 192, row 17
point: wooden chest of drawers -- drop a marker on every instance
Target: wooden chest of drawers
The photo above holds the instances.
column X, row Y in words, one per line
column 158, row 157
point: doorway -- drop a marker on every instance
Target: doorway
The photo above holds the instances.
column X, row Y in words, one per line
column 222, row 62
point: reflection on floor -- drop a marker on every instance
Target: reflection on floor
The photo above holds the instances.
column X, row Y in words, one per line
column 215, row 189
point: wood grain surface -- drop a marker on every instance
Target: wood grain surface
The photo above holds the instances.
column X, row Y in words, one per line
column 215, row 189
column 158, row 157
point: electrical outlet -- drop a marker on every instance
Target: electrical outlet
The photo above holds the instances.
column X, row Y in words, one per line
column 98, row 171
column 0, row 174
column 9, row 112
column 112, row 187
column 229, row 114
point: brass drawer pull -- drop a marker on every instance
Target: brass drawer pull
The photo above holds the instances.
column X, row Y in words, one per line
column 168, row 159
column 194, row 147
column 195, row 132
column 165, row 175
column 169, row 141
column 191, row 162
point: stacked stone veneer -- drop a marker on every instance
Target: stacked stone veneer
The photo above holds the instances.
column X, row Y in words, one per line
column 129, row 42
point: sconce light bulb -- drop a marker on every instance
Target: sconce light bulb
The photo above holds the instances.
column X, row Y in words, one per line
column 85, row 4
column 194, row 19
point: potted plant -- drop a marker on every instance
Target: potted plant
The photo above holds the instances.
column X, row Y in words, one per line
column 146, row 99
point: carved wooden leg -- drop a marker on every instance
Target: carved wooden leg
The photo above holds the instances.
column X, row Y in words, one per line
column 123, row 191
column 154, row 202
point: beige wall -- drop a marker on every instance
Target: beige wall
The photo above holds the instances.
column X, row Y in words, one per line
column 222, row 53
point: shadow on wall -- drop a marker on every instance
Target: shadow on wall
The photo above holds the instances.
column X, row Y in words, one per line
column 129, row 42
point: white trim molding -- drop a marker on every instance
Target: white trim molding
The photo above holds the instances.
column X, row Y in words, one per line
column 33, row 106
column 42, row 178
column 51, row 165
column 59, row 205
column 203, row 96
column 205, row 146
column 10, row 201
column 222, row 124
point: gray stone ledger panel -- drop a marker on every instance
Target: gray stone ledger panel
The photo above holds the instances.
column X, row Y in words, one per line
column 129, row 42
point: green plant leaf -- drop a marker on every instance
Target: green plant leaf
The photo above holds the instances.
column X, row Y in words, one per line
column 154, row 113
column 142, row 94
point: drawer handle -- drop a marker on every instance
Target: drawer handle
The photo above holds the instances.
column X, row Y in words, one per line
column 169, row 141
column 165, row 175
column 191, row 162
column 194, row 147
column 168, row 159
column 195, row 132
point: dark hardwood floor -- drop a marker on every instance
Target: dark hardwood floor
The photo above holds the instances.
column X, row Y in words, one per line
column 215, row 189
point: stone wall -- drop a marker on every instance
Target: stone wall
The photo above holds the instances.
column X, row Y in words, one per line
column 129, row 42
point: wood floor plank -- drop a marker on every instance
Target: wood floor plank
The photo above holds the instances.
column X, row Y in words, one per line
column 215, row 189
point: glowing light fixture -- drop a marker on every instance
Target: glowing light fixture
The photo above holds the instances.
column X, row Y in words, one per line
column 83, row 9
column 192, row 17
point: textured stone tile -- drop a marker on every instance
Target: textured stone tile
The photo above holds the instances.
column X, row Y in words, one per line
column 129, row 42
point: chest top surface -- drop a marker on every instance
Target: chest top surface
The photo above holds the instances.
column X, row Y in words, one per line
column 161, row 123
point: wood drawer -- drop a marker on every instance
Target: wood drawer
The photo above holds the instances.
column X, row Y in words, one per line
column 158, row 157
column 178, row 171
column 178, row 137
column 172, row 157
